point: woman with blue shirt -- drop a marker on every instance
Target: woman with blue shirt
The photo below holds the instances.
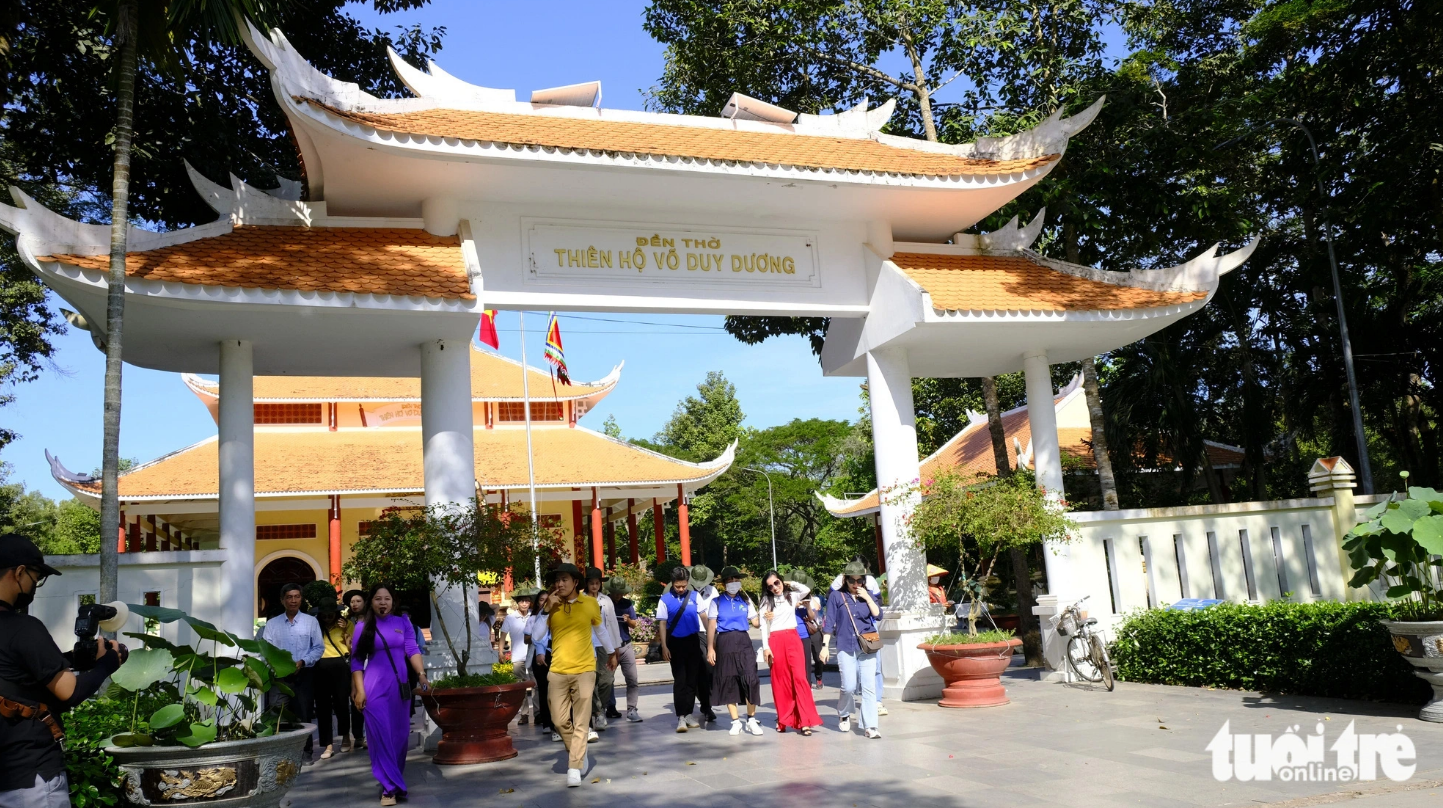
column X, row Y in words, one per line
column 852, row 611
column 678, row 626
column 729, row 617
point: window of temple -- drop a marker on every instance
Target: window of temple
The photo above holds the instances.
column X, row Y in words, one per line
column 288, row 413
column 540, row 411
column 264, row 532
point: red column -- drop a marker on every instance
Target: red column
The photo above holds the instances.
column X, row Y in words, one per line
column 596, row 557
column 120, row 545
column 881, row 548
column 658, row 529
column 681, row 518
column 135, row 541
column 335, row 541
column 577, row 544
column 610, row 544
column 631, row 533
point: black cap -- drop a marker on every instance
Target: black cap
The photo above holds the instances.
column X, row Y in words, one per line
column 568, row 568
column 19, row 551
column 593, row 574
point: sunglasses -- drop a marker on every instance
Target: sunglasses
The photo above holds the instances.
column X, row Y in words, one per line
column 854, row 581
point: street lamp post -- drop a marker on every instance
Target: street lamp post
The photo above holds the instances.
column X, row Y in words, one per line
column 771, row 511
column 1365, row 468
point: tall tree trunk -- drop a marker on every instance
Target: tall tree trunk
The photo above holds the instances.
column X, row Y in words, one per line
column 126, row 34
column 1105, row 477
column 994, row 426
column 1021, row 575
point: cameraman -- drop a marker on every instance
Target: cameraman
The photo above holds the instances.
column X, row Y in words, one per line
column 36, row 684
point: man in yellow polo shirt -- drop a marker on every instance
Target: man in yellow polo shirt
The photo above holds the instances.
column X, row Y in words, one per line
column 572, row 618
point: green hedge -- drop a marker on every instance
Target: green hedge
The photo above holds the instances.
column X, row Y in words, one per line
column 1339, row 650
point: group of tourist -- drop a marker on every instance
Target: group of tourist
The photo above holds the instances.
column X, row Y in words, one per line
column 356, row 666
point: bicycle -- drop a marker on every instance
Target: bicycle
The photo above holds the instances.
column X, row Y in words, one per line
column 1086, row 651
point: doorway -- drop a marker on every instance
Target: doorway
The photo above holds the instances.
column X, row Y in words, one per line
column 279, row 572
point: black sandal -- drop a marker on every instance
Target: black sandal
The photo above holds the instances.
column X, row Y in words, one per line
column 780, row 727
column 807, row 731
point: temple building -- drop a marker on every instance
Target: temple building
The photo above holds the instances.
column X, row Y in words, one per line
column 969, row 454
column 332, row 452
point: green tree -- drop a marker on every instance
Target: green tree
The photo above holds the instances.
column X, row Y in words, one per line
column 611, row 428
column 77, row 529
column 703, row 425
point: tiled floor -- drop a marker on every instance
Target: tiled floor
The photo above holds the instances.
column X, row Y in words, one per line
column 1054, row 745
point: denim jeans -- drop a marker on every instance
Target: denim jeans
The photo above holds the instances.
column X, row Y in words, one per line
column 857, row 667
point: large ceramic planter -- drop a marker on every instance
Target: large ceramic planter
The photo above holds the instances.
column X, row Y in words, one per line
column 640, row 649
column 1421, row 644
column 473, row 721
column 973, row 672
column 253, row 773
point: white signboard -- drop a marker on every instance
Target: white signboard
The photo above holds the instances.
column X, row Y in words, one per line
column 407, row 413
column 668, row 253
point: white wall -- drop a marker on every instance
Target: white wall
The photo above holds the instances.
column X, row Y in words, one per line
column 1108, row 555
column 188, row 580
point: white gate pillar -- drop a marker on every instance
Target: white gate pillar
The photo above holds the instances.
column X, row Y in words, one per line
column 908, row 618
column 1047, row 463
column 237, row 494
column 449, row 463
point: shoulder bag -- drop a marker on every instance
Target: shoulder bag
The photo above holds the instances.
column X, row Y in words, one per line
column 405, row 684
column 871, row 642
column 346, row 655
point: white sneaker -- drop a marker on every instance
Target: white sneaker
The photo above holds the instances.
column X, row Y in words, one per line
column 573, row 778
column 845, row 725
column 599, row 722
column 681, row 725
column 736, row 726
column 592, row 737
column 881, row 710
column 872, row 733
column 632, row 716
column 753, row 726
column 556, row 736
column 691, row 721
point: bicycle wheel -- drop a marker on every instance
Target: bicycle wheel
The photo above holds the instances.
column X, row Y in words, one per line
column 1079, row 656
column 1101, row 662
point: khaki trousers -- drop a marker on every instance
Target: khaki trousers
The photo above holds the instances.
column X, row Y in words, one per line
column 569, row 696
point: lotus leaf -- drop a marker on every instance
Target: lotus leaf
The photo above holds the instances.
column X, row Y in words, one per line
column 167, row 716
column 145, row 667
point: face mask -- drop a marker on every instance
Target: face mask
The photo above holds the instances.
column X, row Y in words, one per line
column 23, row 601
column 734, row 587
column 935, row 579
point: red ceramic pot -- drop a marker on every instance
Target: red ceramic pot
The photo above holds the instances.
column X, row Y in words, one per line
column 473, row 721
column 972, row 672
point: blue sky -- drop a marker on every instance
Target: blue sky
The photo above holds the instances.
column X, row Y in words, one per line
column 527, row 46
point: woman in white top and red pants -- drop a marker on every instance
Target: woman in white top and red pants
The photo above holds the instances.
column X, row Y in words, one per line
column 782, row 646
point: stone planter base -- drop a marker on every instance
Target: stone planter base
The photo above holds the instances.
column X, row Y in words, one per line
column 254, row 773
column 972, row 673
column 473, row 722
column 1421, row 644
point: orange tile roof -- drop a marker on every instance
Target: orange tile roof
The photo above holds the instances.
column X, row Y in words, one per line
column 969, row 453
column 389, row 460
column 379, row 260
column 1014, row 283
column 674, row 140
column 492, row 378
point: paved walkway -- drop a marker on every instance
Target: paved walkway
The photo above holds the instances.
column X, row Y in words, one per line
column 1054, row 745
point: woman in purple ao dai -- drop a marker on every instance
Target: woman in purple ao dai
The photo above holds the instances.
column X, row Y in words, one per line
column 383, row 644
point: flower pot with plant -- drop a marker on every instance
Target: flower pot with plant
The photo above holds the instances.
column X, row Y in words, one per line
column 1399, row 545
column 450, row 545
column 212, row 739
column 980, row 518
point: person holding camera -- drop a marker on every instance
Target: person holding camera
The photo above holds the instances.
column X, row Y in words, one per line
column 37, row 684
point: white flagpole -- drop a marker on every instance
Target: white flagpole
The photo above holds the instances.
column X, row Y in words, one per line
column 530, row 460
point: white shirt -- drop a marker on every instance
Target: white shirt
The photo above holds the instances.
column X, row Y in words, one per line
column 515, row 627
column 784, row 614
column 606, row 636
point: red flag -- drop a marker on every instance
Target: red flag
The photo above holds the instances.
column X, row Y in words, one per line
column 554, row 354
column 488, row 330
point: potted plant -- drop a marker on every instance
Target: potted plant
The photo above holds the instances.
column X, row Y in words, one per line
column 1399, row 545
column 979, row 519
column 212, row 739
column 449, row 545
column 643, row 634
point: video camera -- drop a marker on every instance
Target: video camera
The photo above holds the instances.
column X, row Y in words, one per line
column 92, row 619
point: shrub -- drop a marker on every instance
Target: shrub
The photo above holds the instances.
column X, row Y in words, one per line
column 1339, row 650
column 94, row 777
column 963, row 638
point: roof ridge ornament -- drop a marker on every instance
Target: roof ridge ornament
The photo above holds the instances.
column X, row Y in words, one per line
column 297, row 74
column 245, row 204
column 443, row 88
column 1049, row 137
column 857, row 121
column 742, row 107
column 1201, row 272
column 63, row 474
column 585, row 94
column 1011, row 237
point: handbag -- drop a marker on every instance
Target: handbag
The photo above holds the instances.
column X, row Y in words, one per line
column 871, row 642
column 346, row 655
column 405, row 684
